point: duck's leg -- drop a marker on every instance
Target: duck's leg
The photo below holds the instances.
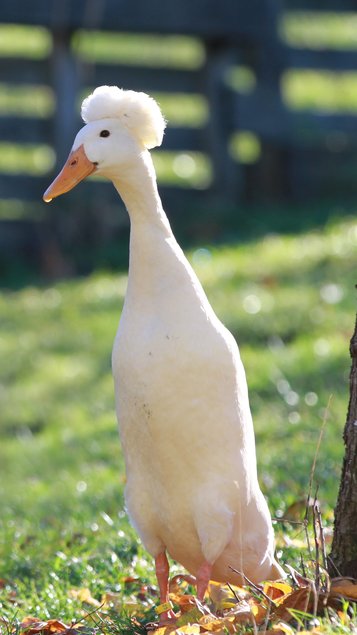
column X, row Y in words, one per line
column 202, row 579
column 162, row 573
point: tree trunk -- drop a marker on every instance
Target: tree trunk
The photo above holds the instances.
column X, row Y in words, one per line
column 344, row 545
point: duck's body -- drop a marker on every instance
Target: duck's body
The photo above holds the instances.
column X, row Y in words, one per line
column 181, row 392
column 183, row 411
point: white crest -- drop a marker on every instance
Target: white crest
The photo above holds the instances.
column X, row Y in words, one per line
column 138, row 112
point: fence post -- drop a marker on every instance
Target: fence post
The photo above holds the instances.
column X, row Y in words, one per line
column 65, row 85
column 226, row 172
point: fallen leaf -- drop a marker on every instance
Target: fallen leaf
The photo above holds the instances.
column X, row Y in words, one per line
column 55, row 626
column 343, row 581
column 189, row 629
column 275, row 590
column 84, row 595
column 297, row 510
column 181, row 580
column 348, row 591
column 280, row 627
column 112, row 600
column 191, row 610
column 299, row 580
column 298, row 600
column 32, row 625
column 162, row 630
column 216, row 624
column 258, row 611
column 223, row 596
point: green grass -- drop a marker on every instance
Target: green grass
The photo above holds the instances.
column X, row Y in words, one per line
column 319, row 30
column 170, row 51
column 290, row 301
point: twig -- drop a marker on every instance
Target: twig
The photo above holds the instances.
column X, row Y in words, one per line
column 267, row 617
column 287, row 520
column 315, row 594
column 303, row 566
column 322, row 538
column 254, row 586
column 233, row 591
column 73, row 624
column 317, row 546
column 329, row 559
column 313, row 468
column 258, row 590
column 306, row 521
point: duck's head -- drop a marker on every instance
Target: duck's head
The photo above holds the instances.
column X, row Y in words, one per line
column 120, row 124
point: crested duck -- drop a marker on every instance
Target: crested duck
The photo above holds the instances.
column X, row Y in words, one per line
column 181, row 394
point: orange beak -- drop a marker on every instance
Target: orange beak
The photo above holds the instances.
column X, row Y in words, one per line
column 76, row 168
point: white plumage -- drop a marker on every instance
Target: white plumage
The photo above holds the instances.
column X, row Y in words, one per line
column 137, row 111
column 181, row 393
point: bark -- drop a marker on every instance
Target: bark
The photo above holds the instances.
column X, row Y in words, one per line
column 344, row 544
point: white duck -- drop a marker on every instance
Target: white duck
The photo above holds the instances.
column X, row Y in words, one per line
column 182, row 401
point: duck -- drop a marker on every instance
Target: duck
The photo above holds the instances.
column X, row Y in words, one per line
column 182, row 404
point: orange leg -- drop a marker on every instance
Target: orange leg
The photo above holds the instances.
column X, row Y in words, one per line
column 162, row 574
column 202, row 578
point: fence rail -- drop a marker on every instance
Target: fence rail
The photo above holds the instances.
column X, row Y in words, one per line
column 232, row 32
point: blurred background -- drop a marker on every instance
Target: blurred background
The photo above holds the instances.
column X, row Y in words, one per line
column 260, row 97
column 258, row 176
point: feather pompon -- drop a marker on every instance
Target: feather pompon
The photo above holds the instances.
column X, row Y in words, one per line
column 137, row 111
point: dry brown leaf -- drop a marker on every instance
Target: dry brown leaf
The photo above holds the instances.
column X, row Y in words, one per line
column 188, row 629
column 299, row 580
column 216, row 624
column 348, row 591
column 298, row 600
column 113, row 600
column 32, row 625
column 343, row 581
column 163, row 630
column 297, row 510
column 281, row 627
column 276, row 590
column 181, row 580
column 191, row 610
column 55, row 626
column 258, row 610
column 243, row 612
column 223, row 596
column 84, row 595
column 188, row 603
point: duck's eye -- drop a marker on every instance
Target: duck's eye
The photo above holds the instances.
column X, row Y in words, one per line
column 104, row 133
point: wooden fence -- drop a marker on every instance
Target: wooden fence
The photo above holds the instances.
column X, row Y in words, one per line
column 303, row 153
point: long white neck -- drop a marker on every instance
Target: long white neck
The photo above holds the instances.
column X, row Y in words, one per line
column 157, row 265
column 153, row 248
column 138, row 189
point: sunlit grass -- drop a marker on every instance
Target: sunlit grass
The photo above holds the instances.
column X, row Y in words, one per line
column 318, row 30
column 183, row 169
column 26, row 159
column 245, row 147
column 16, row 208
column 181, row 109
column 27, row 101
column 241, row 78
column 325, row 91
column 19, row 40
column 290, row 302
column 173, row 51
